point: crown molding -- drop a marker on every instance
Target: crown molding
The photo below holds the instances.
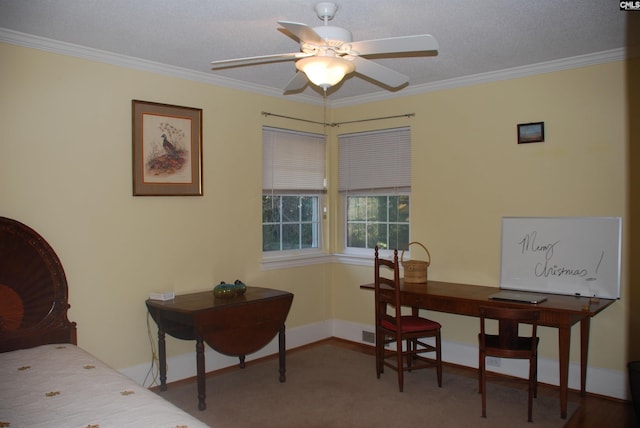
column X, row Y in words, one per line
column 43, row 43
column 83, row 52
column 492, row 76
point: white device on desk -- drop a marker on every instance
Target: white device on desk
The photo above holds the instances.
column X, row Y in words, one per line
column 514, row 296
column 164, row 295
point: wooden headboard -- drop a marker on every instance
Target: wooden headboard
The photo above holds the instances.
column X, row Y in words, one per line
column 33, row 290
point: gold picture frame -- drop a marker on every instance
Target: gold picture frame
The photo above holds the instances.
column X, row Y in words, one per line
column 167, row 149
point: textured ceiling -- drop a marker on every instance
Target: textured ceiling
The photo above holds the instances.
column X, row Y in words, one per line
column 475, row 36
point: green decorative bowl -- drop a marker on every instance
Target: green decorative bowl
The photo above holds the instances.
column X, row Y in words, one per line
column 229, row 291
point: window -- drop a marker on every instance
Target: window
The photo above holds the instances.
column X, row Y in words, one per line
column 377, row 220
column 289, row 222
column 375, row 184
column 293, row 181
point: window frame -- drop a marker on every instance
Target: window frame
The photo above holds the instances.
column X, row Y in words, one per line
column 392, row 176
column 366, row 252
column 317, row 220
column 274, row 259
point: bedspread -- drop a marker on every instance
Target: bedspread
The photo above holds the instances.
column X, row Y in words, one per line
column 65, row 386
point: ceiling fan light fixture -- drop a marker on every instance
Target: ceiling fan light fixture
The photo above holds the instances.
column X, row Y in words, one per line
column 325, row 71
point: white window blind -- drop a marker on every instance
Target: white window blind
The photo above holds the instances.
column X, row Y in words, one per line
column 375, row 161
column 292, row 161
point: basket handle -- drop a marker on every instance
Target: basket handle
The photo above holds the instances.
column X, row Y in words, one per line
column 415, row 242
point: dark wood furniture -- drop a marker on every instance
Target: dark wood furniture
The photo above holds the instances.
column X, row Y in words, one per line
column 34, row 329
column 508, row 343
column 394, row 327
column 237, row 327
column 558, row 311
column 33, row 291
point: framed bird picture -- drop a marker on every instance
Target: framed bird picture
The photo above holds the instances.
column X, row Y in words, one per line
column 167, row 150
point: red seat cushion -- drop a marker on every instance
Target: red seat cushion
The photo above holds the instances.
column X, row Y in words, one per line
column 413, row 324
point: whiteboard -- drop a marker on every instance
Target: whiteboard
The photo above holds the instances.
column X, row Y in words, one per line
column 562, row 255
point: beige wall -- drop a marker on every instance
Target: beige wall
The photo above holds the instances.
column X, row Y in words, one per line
column 65, row 170
column 468, row 172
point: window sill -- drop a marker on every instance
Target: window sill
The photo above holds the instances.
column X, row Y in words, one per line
column 289, row 261
column 353, row 259
column 284, row 262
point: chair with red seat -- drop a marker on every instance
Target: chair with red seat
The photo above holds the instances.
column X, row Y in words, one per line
column 509, row 344
column 407, row 332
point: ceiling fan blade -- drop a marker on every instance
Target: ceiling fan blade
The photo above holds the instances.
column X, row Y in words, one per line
column 379, row 72
column 301, row 31
column 298, row 82
column 236, row 62
column 423, row 42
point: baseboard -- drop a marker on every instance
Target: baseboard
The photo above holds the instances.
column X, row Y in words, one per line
column 184, row 366
column 604, row 382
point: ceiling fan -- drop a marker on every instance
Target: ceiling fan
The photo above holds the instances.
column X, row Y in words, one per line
column 328, row 53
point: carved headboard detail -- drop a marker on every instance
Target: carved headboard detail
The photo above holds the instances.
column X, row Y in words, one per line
column 33, row 290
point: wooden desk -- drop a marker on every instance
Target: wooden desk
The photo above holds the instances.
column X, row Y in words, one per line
column 237, row 327
column 558, row 311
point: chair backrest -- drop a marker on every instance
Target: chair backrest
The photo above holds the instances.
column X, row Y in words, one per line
column 509, row 320
column 387, row 287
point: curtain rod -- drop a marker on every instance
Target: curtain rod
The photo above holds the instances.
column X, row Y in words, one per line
column 334, row 124
column 265, row 114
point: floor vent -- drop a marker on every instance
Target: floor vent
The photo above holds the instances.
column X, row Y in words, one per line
column 368, row 336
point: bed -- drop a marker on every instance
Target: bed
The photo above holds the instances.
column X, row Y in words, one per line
column 46, row 380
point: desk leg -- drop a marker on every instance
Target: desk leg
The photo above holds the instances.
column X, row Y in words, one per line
column 162, row 360
column 564, row 341
column 584, row 353
column 200, row 373
column 282, row 353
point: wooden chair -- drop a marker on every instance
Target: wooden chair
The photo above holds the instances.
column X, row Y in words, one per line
column 509, row 344
column 394, row 328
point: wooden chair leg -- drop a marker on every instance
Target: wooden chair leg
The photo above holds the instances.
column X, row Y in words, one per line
column 532, row 388
column 379, row 354
column 400, row 363
column 480, row 358
column 410, row 352
column 483, row 386
column 535, row 377
column 439, row 358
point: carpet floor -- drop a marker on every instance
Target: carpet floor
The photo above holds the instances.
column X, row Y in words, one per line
column 331, row 386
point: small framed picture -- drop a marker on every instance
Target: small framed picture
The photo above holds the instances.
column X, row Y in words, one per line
column 531, row 132
column 167, row 150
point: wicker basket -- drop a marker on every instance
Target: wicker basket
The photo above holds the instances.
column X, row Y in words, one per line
column 415, row 270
